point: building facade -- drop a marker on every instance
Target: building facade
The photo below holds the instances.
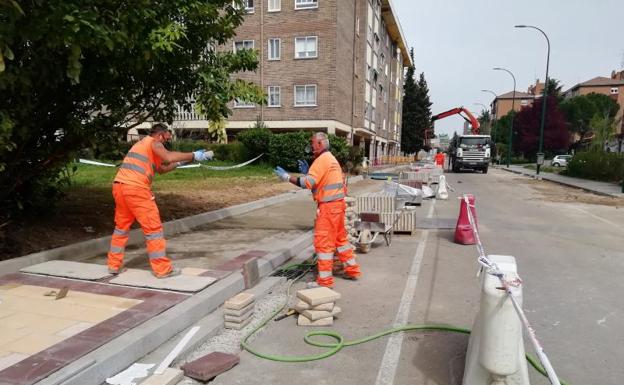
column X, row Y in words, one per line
column 326, row 65
column 612, row 87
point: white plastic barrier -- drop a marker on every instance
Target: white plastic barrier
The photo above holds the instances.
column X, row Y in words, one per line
column 442, row 192
column 496, row 348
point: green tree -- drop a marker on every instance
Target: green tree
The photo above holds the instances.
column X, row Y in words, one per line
column 579, row 110
column 485, row 121
column 409, row 131
column 416, row 124
column 603, row 126
column 554, row 87
column 75, row 73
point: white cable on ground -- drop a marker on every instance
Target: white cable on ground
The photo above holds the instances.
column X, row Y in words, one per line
column 493, row 269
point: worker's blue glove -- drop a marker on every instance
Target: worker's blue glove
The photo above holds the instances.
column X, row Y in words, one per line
column 303, row 166
column 201, row 155
column 281, row 173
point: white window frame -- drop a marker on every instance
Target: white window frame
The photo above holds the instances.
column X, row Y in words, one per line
column 306, row 4
column 316, row 47
column 246, row 6
column 253, row 43
column 279, row 48
column 279, row 96
column 615, row 90
column 524, row 102
column 239, row 104
column 277, row 5
column 296, row 104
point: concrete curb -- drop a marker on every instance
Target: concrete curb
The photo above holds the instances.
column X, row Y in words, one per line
column 100, row 245
column 563, row 183
column 118, row 354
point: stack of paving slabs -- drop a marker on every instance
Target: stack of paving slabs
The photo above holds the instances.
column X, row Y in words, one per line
column 317, row 307
column 238, row 311
column 350, row 217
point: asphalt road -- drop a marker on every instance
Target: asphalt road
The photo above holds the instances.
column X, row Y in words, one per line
column 570, row 257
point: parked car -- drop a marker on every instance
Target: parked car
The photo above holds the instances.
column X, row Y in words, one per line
column 561, row 160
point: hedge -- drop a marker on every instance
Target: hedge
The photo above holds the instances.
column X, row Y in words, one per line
column 602, row 166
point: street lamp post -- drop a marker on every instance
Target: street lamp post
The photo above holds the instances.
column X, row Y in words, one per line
column 513, row 101
column 541, row 136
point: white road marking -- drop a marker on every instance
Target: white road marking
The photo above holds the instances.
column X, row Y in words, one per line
column 389, row 363
column 615, row 225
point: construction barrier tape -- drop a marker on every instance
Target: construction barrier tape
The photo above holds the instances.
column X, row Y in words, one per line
column 222, row 168
column 94, row 163
column 194, row 165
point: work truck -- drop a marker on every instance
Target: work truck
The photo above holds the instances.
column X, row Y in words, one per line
column 471, row 151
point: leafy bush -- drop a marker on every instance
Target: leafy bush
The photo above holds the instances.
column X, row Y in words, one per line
column 286, row 149
column 339, row 147
column 234, row 152
column 604, row 166
column 255, row 140
column 189, row 145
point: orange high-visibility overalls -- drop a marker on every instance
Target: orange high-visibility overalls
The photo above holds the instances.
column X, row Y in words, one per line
column 134, row 201
column 326, row 181
column 440, row 158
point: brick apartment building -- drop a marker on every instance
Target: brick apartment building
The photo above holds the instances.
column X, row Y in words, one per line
column 503, row 103
column 613, row 87
column 326, row 65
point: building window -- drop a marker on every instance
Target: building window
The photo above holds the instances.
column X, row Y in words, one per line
column 248, row 4
column 305, row 47
column 275, row 5
column 306, row 4
column 524, row 102
column 614, row 90
column 275, row 96
column 243, row 44
column 275, row 49
column 305, row 96
column 243, row 104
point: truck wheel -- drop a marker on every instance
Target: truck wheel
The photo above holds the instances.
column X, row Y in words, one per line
column 485, row 169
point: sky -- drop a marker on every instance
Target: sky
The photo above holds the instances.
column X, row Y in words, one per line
column 458, row 42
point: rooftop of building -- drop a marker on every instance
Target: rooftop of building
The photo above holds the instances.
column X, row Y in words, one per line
column 394, row 30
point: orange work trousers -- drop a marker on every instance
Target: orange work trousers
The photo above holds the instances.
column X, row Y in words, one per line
column 136, row 203
column 330, row 236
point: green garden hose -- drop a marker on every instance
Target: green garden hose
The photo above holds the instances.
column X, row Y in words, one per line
column 335, row 347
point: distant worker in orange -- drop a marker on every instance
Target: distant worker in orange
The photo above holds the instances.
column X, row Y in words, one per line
column 134, row 199
column 326, row 180
column 440, row 159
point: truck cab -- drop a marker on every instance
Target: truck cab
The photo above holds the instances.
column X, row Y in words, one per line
column 470, row 152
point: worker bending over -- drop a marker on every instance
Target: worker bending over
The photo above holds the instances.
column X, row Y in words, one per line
column 326, row 180
column 134, row 199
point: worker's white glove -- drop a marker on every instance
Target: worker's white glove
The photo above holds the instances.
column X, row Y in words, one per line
column 201, row 155
column 281, row 173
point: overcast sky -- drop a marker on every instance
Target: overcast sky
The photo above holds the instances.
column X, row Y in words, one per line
column 458, row 42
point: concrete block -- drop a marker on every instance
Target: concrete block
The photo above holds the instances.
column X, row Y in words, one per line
column 251, row 274
column 239, row 301
column 237, row 325
column 318, row 295
column 143, row 278
column 171, row 376
column 237, row 319
column 210, row 365
column 69, row 269
column 314, row 315
column 305, row 321
column 300, row 306
column 239, row 312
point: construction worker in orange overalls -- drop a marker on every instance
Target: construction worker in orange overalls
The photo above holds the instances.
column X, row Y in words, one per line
column 440, row 158
column 326, row 180
column 134, row 199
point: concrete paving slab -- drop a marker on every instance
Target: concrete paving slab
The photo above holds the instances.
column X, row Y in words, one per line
column 69, row 269
column 171, row 376
column 142, row 278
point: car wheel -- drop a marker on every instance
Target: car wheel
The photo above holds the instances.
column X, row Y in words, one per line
column 556, row 165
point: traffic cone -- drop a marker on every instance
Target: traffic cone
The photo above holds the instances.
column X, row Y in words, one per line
column 442, row 193
column 463, row 231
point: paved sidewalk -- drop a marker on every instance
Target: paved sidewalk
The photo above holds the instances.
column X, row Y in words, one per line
column 601, row 188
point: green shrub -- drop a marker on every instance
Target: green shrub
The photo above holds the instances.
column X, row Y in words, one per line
column 339, row 147
column 603, row 166
column 234, row 152
column 189, row 145
column 255, row 140
column 286, row 149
